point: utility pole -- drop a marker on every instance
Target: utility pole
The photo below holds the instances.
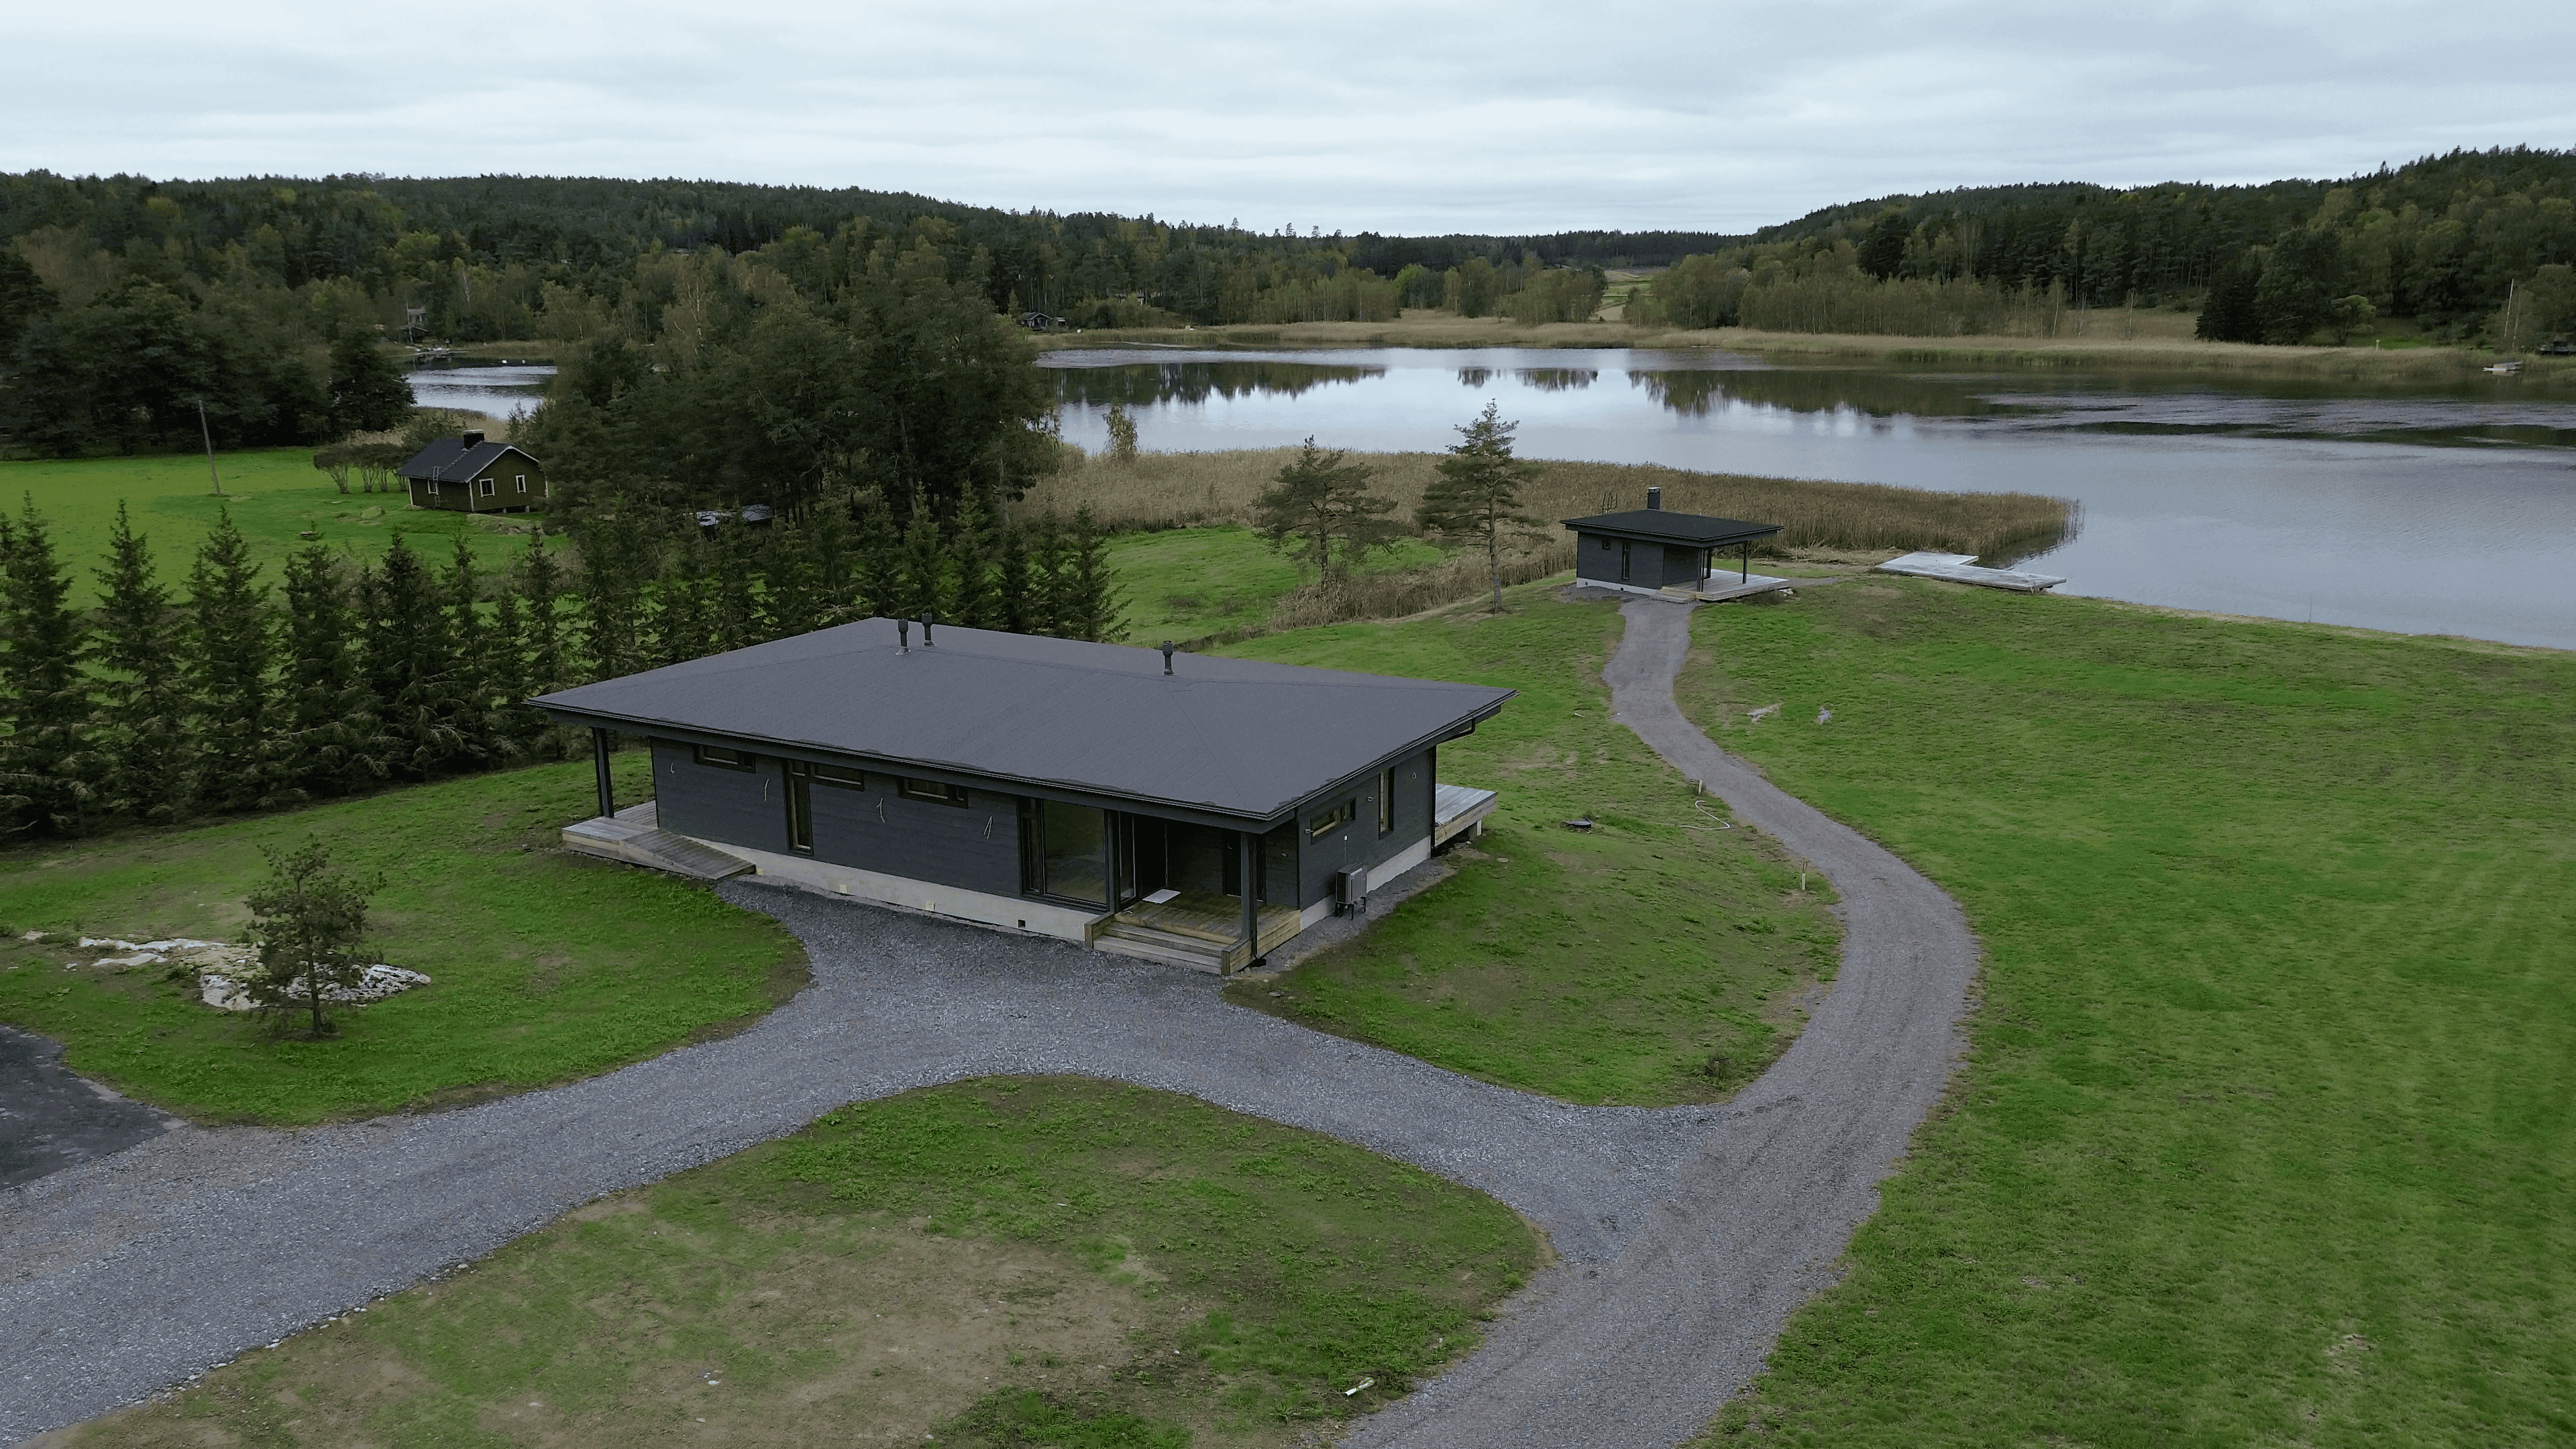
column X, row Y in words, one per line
column 209, row 435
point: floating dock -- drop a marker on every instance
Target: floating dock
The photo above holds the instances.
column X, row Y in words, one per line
column 1961, row 568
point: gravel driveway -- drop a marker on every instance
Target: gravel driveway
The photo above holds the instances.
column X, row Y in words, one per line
column 1687, row 1234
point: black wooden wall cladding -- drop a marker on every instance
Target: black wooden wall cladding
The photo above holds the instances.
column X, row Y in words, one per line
column 976, row 846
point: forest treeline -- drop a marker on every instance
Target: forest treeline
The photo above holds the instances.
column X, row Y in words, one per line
column 237, row 692
column 2439, row 242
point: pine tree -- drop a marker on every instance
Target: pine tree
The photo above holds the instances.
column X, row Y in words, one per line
column 1477, row 497
column 230, row 625
column 409, row 660
column 134, row 642
column 1093, row 603
column 48, row 772
column 331, row 740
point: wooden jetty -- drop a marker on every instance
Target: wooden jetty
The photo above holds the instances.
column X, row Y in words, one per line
column 1961, row 568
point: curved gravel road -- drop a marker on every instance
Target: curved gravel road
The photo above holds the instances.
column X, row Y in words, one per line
column 1686, row 1234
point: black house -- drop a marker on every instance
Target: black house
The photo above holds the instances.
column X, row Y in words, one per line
column 469, row 474
column 1188, row 809
column 1647, row 549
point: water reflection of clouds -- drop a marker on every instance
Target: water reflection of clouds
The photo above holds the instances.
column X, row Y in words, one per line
column 1150, row 384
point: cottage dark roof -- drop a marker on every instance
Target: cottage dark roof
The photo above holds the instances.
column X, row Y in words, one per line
column 1232, row 736
column 1657, row 525
column 449, row 458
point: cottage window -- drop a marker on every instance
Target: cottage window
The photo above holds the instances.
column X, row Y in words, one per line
column 841, row 775
column 1319, row 826
column 488, row 486
column 1385, row 801
column 935, row 791
column 523, row 482
column 433, row 488
column 721, row 757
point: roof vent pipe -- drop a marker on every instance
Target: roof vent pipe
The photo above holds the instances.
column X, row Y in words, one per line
column 926, row 618
column 1167, row 656
column 1655, row 499
column 902, row 636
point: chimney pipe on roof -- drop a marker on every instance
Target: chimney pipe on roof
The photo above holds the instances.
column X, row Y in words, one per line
column 1655, row 499
column 926, row 618
column 473, row 440
column 1167, row 656
column 902, row 636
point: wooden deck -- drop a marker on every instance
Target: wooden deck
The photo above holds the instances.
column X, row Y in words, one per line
column 635, row 836
column 1720, row 587
column 1458, row 810
column 1195, row 929
column 1960, row 568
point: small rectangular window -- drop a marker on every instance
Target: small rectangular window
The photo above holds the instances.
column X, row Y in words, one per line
column 1318, row 826
column 935, row 791
column 488, row 487
column 433, row 488
column 1385, row 801
column 721, row 756
column 842, row 775
column 523, row 482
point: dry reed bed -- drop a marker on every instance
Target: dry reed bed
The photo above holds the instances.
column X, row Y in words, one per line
column 1183, row 490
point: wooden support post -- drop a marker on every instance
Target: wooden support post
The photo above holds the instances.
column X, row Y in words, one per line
column 599, row 744
column 1251, row 873
column 1744, row 569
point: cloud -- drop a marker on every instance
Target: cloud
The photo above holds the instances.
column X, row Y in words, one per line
column 1390, row 117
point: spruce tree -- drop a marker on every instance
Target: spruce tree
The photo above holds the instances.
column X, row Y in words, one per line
column 134, row 642
column 735, row 605
column 48, row 772
column 791, row 599
column 925, row 569
column 832, row 544
column 878, row 592
column 515, row 727
column 1011, row 581
column 330, row 738
column 1046, row 586
column 617, row 560
column 974, row 596
column 470, row 652
column 1093, row 603
column 409, row 660
column 683, row 621
column 542, row 666
column 231, row 648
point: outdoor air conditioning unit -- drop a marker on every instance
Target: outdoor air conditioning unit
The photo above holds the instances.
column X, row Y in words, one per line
column 1350, row 890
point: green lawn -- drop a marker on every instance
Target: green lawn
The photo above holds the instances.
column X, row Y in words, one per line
column 544, row 966
column 2269, row 1134
column 1655, row 959
column 1003, row 1261
column 1189, row 583
column 274, row 494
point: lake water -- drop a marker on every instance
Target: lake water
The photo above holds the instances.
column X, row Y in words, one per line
column 2417, row 510
column 492, row 391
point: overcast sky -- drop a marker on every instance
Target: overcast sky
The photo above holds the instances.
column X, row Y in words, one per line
column 1502, row 117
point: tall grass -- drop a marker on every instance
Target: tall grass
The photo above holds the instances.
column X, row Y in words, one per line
column 1183, row 490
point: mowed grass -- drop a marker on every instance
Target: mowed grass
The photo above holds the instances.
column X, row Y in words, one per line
column 1189, row 583
column 273, row 494
column 544, row 966
column 1000, row 1261
column 2269, row 1133
column 1655, row 959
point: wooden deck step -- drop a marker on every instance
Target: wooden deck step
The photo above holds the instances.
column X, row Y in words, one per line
column 1161, row 947
column 632, row 836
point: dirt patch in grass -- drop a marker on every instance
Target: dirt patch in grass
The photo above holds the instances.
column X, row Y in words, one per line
column 944, row 1263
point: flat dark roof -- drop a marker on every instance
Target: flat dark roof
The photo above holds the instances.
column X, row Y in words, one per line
column 1236, row 737
column 1657, row 525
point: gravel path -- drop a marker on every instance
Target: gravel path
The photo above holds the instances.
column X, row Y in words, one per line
column 1686, row 1234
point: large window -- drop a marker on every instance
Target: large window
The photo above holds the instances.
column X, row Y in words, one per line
column 1072, row 858
column 1319, row 826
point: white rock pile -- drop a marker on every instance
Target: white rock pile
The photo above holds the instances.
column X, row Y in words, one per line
column 223, row 971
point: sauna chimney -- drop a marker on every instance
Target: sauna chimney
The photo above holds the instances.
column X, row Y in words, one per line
column 1655, row 499
column 472, row 440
